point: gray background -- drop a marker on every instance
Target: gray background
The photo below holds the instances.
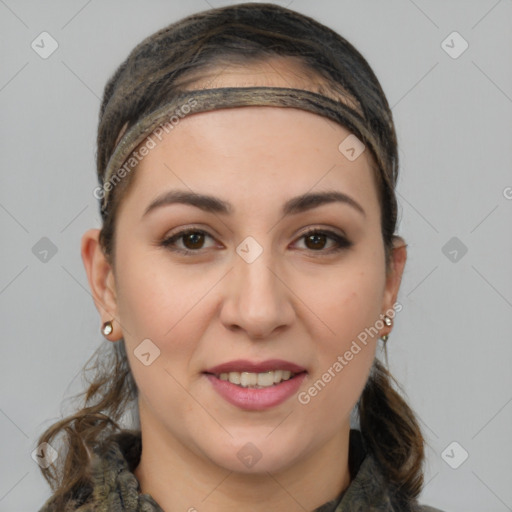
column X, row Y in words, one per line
column 451, row 346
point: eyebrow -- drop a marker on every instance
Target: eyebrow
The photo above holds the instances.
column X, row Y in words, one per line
column 213, row 204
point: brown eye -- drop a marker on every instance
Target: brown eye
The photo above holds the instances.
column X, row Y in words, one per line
column 195, row 239
column 315, row 240
column 192, row 240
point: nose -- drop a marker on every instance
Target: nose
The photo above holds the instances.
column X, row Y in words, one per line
column 257, row 298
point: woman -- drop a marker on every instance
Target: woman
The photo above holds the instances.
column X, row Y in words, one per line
column 245, row 271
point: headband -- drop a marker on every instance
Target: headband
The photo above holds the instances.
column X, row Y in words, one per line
column 166, row 117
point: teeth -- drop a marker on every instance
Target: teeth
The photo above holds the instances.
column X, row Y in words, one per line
column 256, row 380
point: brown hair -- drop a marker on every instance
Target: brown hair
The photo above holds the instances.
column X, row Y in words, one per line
column 154, row 72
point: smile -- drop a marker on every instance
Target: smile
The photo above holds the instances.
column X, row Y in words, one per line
column 256, row 386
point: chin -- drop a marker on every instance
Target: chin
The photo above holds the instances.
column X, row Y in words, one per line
column 254, row 455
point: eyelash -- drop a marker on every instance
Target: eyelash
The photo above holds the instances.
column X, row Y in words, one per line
column 342, row 242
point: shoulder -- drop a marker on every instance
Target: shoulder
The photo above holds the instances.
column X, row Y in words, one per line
column 111, row 477
column 369, row 489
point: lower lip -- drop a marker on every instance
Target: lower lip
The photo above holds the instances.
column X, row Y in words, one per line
column 256, row 399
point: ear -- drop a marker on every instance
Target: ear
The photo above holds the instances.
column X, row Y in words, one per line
column 101, row 280
column 395, row 271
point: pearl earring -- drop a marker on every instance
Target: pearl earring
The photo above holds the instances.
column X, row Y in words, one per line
column 107, row 328
column 388, row 322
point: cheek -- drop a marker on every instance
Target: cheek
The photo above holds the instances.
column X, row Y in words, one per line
column 167, row 305
column 348, row 304
column 153, row 295
column 345, row 344
column 157, row 303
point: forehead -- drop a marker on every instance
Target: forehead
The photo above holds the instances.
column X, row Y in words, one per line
column 257, row 155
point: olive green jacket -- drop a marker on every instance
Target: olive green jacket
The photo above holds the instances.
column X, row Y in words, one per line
column 116, row 489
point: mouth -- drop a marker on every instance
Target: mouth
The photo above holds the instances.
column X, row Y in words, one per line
column 256, row 386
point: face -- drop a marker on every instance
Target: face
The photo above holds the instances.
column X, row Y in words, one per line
column 252, row 281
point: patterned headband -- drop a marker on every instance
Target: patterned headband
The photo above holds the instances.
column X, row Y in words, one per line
column 162, row 120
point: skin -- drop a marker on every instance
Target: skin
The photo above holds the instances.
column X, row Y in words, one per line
column 298, row 301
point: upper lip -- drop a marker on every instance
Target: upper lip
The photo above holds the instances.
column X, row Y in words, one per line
column 243, row 365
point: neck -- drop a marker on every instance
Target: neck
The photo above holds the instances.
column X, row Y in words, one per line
column 180, row 479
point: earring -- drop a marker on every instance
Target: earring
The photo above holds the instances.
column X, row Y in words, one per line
column 107, row 328
column 388, row 322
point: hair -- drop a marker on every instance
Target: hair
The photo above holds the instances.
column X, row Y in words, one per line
column 153, row 73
